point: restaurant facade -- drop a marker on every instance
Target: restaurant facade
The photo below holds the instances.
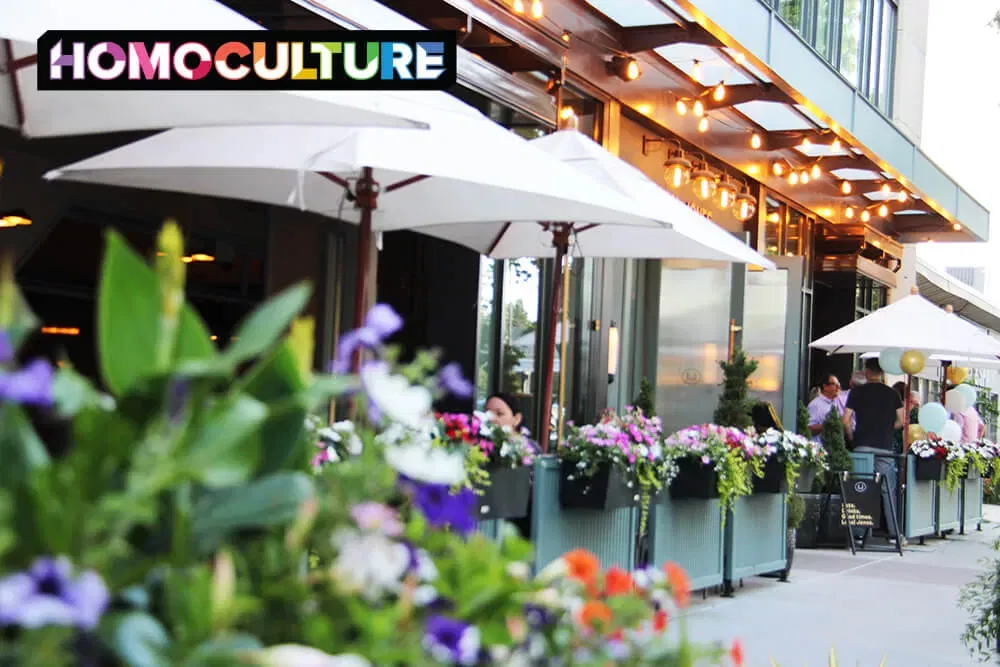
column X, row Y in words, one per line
column 804, row 109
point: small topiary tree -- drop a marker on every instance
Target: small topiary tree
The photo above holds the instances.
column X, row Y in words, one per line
column 838, row 458
column 646, row 400
column 735, row 402
column 802, row 420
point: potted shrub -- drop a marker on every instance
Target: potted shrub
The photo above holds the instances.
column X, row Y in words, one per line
column 929, row 458
column 830, row 528
column 713, row 462
column 796, row 512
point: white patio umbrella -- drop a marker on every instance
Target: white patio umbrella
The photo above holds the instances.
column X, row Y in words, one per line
column 55, row 113
column 912, row 323
column 938, row 360
column 462, row 172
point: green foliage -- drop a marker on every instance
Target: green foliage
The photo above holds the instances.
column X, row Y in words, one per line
column 646, row 400
column 735, row 402
column 981, row 599
column 954, row 472
column 802, row 420
column 796, row 510
column 838, row 456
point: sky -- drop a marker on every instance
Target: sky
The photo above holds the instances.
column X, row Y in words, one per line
column 961, row 114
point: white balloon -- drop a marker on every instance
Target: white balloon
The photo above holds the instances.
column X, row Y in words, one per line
column 955, row 401
column 951, row 431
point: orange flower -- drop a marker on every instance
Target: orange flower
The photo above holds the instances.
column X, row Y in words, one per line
column 660, row 619
column 617, row 582
column 592, row 613
column 736, row 653
column 680, row 584
column 582, row 565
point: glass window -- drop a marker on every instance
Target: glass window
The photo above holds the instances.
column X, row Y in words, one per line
column 825, row 28
column 850, row 41
column 793, row 233
column 887, row 58
column 773, row 217
column 487, row 330
column 872, row 50
column 791, row 11
column 519, row 330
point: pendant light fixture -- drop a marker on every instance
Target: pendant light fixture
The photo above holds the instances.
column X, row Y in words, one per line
column 677, row 168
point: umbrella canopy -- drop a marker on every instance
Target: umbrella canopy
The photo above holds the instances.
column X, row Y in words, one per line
column 55, row 113
column 912, row 323
column 938, row 360
column 690, row 236
column 464, row 169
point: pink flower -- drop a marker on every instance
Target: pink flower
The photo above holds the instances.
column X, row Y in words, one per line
column 377, row 517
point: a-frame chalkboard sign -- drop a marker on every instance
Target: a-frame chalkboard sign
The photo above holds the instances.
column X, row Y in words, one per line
column 861, row 510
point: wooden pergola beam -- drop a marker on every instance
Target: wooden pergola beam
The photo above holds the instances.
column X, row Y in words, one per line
column 745, row 92
column 648, row 37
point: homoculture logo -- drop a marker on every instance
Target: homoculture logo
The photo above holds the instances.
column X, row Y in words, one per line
column 247, row 60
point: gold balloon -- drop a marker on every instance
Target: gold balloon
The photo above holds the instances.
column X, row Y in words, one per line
column 957, row 374
column 917, row 432
column 912, row 362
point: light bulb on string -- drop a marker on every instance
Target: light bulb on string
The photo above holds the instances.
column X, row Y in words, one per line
column 849, row 212
column 778, row 169
column 846, row 187
column 519, row 6
column 815, row 172
column 755, row 141
column 865, row 216
column 719, row 93
column 883, row 211
column 696, row 71
column 793, row 178
column 886, row 189
column 835, row 145
column 682, row 107
column 902, row 196
column 804, row 177
column 703, row 124
column 806, row 143
column 537, row 11
column 698, row 108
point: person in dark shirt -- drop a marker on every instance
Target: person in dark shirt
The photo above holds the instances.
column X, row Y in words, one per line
column 877, row 410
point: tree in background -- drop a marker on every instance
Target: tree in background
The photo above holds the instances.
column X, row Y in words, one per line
column 735, row 402
column 646, row 400
column 802, row 420
column 838, row 457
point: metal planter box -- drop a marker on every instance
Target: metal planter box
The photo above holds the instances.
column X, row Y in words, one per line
column 920, row 504
column 689, row 533
column 949, row 509
column 755, row 535
column 972, row 503
column 610, row 535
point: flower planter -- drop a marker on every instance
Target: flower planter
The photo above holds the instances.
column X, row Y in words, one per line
column 755, row 537
column 972, row 503
column 807, row 477
column 971, row 471
column 807, row 535
column 920, row 506
column 694, row 480
column 949, row 510
column 687, row 532
column 774, row 479
column 607, row 489
column 928, row 470
column 507, row 495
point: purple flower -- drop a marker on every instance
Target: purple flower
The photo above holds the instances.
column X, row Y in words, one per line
column 32, row 385
column 450, row 641
column 6, row 349
column 450, row 379
column 378, row 518
column 380, row 323
column 47, row 595
column 538, row 617
column 441, row 507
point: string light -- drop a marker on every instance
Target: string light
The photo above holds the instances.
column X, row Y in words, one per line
column 835, row 146
column 849, row 212
column 957, row 227
column 815, row 172
column 519, row 6
column 865, row 216
column 719, row 93
column 902, row 196
column 806, row 143
column 682, row 108
column 886, row 190
column 804, row 177
column 793, row 178
column 566, row 113
column 883, row 211
column 755, row 141
column 698, row 108
column 536, row 9
column 846, row 187
column 739, row 57
column 703, row 124
column 778, row 169
column 696, row 71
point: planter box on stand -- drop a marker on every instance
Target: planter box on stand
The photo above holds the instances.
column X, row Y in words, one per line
column 972, row 504
column 928, row 470
column 804, row 482
column 685, row 525
column 949, row 509
column 507, row 497
column 920, row 505
column 755, row 537
column 571, row 514
column 774, row 479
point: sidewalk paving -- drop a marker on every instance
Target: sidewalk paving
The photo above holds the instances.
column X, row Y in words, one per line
column 870, row 606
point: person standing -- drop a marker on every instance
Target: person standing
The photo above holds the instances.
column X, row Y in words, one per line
column 826, row 400
column 873, row 413
column 973, row 427
column 858, row 378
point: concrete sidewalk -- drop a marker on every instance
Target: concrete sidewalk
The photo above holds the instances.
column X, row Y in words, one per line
column 868, row 606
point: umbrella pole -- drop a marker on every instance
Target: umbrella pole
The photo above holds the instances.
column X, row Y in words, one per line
column 560, row 240
column 366, row 199
column 903, row 469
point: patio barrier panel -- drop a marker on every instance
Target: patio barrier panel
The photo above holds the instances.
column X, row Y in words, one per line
column 949, row 509
column 755, row 536
column 611, row 536
column 689, row 533
column 490, row 528
column 920, row 504
column 972, row 503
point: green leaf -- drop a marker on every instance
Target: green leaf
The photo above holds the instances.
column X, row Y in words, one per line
column 222, row 452
column 24, row 321
column 128, row 319
column 279, row 439
column 275, row 378
column 265, row 325
column 72, row 392
column 271, row 501
column 21, row 450
column 223, row 651
column 139, row 640
column 325, row 387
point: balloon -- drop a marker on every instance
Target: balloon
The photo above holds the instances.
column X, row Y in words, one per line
column 955, row 401
column 932, row 417
column 917, row 432
column 889, row 358
column 912, row 362
column 956, row 375
column 951, row 431
column 969, row 392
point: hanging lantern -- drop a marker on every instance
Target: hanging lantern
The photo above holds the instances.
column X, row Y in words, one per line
column 745, row 206
column 677, row 170
column 705, row 183
column 726, row 192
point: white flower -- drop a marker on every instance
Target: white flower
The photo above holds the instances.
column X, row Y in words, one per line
column 424, row 595
column 396, row 399
column 369, row 564
column 519, row 570
column 293, row 655
column 423, row 463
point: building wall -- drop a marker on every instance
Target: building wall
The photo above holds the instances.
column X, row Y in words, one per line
column 911, row 62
